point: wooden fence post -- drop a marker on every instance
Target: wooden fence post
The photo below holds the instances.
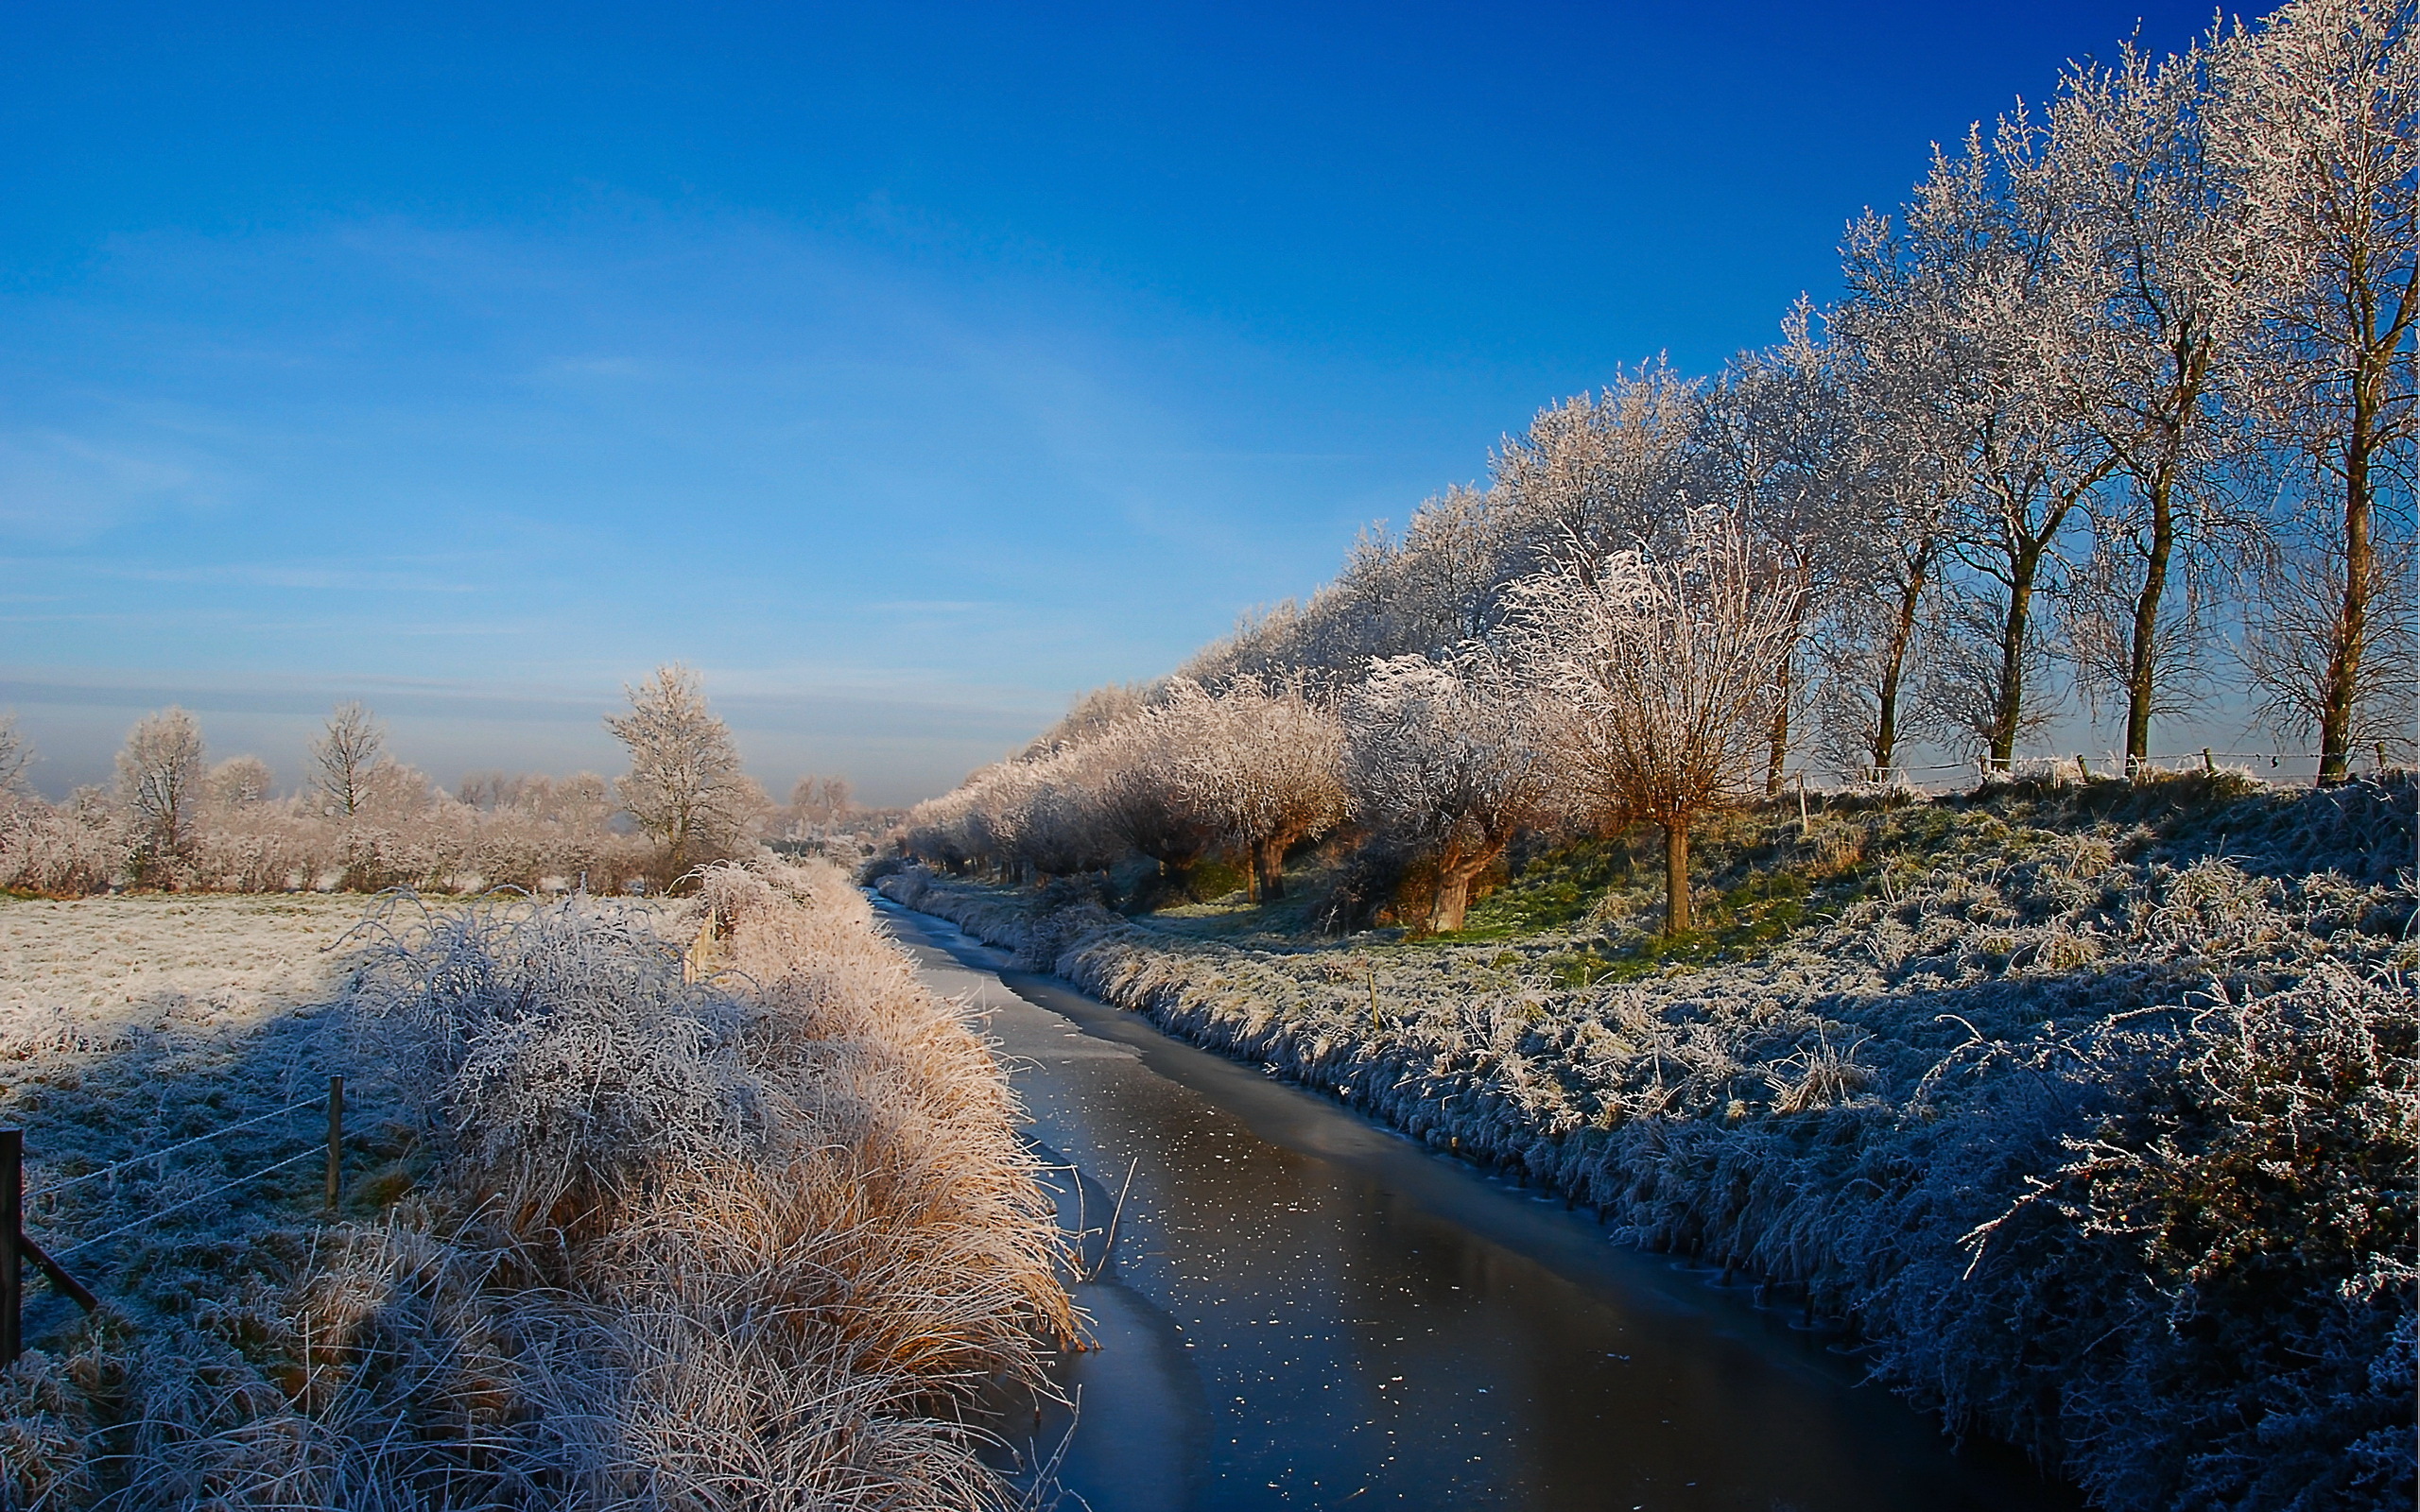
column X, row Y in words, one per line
column 12, row 1218
column 336, row 1140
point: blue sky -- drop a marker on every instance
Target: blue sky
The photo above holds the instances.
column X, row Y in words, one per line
column 907, row 370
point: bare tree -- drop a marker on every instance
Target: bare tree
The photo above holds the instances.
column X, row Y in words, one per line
column 1773, row 450
column 1268, row 760
column 343, row 755
column 2157, row 209
column 1596, row 473
column 1904, row 467
column 2292, row 636
column 1663, row 663
column 818, row 801
column 685, row 786
column 238, row 781
column 1988, row 281
column 2317, row 113
column 1444, row 754
column 16, row 754
column 159, row 785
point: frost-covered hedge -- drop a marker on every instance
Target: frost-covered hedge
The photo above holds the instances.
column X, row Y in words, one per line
column 428, row 842
column 2104, row 1143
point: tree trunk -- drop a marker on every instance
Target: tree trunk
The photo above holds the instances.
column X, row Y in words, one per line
column 1268, row 868
column 1894, row 663
column 2352, row 620
column 2009, row 709
column 1676, row 877
column 1780, row 733
column 1456, row 874
column 2143, row 665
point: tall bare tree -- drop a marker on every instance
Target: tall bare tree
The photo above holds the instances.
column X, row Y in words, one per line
column 685, row 786
column 2317, row 112
column 160, row 785
column 1988, row 274
column 2128, row 142
column 344, row 753
column 1662, row 663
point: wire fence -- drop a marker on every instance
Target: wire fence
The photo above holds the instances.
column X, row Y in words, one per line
column 18, row 1247
column 2286, row 767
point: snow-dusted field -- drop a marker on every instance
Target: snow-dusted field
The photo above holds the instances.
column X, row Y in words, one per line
column 101, row 965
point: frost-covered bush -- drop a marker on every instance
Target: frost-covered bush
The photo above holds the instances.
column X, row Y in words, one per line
column 726, row 1213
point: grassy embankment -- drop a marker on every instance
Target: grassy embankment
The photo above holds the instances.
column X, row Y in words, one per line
column 614, row 1236
column 2089, row 1107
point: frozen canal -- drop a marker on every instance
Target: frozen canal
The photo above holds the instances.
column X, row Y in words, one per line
column 1302, row 1310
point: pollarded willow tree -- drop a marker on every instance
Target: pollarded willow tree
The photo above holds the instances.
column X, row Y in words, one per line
column 685, row 786
column 1266, row 758
column 1445, row 757
column 1661, row 665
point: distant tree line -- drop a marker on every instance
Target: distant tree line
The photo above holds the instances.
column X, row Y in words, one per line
column 363, row 820
column 2119, row 404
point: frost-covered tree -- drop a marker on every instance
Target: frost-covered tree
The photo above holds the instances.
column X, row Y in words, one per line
column 1662, row 664
column 1596, row 473
column 1773, row 450
column 1444, row 756
column 1267, row 759
column 1130, row 771
column 2128, row 142
column 1988, row 280
column 344, row 753
column 160, row 785
column 1903, row 468
column 16, row 754
column 685, row 787
column 2316, row 113
column 238, row 781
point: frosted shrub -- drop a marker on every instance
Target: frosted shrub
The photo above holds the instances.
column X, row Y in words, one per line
column 558, row 1049
column 64, row 852
column 744, row 1223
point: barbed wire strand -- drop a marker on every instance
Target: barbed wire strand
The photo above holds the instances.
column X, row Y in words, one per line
column 170, row 1149
column 307, row 1155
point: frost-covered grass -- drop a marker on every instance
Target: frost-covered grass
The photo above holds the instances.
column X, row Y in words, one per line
column 2090, row 1109
column 714, row 1208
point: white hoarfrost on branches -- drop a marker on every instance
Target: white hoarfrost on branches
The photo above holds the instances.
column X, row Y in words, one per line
column 685, row 786
column 1266, row 757
column 350, row 746
column 1446, row 758
column 1662, row 666
column 159, row 783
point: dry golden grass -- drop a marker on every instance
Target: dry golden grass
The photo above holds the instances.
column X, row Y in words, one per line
column 748, row 1229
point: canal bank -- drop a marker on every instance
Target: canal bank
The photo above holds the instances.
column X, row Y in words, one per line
column 1299, row 1307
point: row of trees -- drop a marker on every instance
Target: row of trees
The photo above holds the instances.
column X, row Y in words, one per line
column 2118, row 404
column 1634, row 688
column 362, row 819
